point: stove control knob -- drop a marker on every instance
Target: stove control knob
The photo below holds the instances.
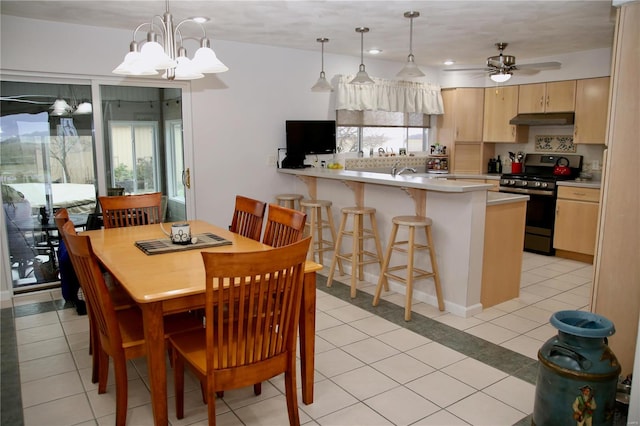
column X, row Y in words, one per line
column 545, row 184
column 538, row 184
column 525, row 183
column 512, row 182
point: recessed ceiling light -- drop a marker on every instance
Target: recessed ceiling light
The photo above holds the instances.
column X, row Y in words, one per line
column 449, row 62
column 374, row 51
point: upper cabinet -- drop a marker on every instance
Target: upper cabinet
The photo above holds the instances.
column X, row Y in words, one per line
column 592, row 103
column 557, row 96
column 500, row 106
column 462, row 118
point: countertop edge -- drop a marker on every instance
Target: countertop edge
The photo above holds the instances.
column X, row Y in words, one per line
column 429, row 183
column 580, row 184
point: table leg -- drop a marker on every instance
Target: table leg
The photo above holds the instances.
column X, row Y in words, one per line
column 308, row 336
column 154, row 337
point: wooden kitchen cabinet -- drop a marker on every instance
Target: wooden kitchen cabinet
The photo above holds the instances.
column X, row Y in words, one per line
column 500, row 106
column 556, row 96
column 462, row 118
column 460, row 129
column 592, row 103
column 576, row 220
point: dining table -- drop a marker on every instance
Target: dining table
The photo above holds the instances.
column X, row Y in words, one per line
column 173, row 281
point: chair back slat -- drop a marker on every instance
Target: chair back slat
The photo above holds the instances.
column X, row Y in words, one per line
column 248, row 217
column 252, row 305
column 61, row 217
column 94, row 288
column 131, row 210
column 284, row 226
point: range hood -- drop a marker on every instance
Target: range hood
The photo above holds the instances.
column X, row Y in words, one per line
column 544, row 119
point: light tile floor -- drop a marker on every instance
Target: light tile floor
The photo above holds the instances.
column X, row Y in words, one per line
column 369, row 370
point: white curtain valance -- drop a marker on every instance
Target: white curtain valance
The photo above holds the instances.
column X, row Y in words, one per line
column 389, row 95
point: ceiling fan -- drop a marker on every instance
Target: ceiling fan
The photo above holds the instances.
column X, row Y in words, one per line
column 501, row 66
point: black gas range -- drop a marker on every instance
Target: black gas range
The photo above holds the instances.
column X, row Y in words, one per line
column 539, row 182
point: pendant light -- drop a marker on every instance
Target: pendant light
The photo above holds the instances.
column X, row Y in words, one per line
column 410, row 69
column 362, row 77
column 322, row 85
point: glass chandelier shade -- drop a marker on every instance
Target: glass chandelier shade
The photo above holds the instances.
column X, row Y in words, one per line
column 410, row 69
column 322, row 85
column 60, row 107
column 153, row 56
column 501, row 77
column 362, row 77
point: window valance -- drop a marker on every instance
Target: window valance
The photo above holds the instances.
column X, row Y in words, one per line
column 389, row 95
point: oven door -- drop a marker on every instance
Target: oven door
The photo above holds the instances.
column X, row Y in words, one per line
column 540, row 218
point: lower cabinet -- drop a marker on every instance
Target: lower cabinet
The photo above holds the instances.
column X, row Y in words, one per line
column 576, row 220
column 502, row 260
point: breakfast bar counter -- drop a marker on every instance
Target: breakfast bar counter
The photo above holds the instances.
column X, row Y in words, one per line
column 458, row 210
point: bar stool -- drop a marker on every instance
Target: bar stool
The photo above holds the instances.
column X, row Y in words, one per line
column 291, row 201
column 359, row 234
column 315, row 226
column 409, row 247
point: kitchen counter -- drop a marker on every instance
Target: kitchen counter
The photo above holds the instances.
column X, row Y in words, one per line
column 425, row 181
column 495, row 198
column 457, row 208
column 580, row 183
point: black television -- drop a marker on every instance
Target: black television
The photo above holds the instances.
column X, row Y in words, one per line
column 306, row 137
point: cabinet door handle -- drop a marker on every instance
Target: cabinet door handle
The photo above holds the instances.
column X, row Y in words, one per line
column 547, row 101
column 580, row 194
column 541, row 101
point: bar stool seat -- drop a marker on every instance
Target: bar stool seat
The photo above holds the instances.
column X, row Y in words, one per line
column 315, row 226
column 358, row 256
column 291, row 201
column 412, row 273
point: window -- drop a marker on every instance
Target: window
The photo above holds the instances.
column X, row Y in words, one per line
column 134, row 146
column 175, row 187
column 373, row 130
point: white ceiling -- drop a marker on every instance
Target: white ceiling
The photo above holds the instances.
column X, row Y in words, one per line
column 461, row 30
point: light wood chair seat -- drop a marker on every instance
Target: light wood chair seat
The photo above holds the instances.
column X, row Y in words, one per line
column 251, row 328
column 409, row 247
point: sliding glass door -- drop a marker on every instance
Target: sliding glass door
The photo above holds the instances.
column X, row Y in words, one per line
column 46, row 163
column 51, row 157
column 143, row 143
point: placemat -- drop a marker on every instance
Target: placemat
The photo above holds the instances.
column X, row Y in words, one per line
column 164, row 245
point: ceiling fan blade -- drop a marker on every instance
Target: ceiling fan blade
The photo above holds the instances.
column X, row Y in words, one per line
column 526, row 71
column 541, row 66
column 466, row 69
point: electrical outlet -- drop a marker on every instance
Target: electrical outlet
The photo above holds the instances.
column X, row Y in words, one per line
column 271, row 160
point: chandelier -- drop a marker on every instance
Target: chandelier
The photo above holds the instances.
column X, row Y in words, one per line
column 172, row 55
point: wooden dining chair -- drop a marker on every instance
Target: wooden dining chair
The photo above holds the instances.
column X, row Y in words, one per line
column 248, row 216
column 284, row 226
column 251, row 324
column 119, row 297
column 120, row 332
column 131, row 210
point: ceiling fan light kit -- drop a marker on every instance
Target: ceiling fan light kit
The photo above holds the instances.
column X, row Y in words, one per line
column 362, row 77
column 153, row 56
column 322, row 85
column 410, row 69
column 500, row 77
column 501, row 67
